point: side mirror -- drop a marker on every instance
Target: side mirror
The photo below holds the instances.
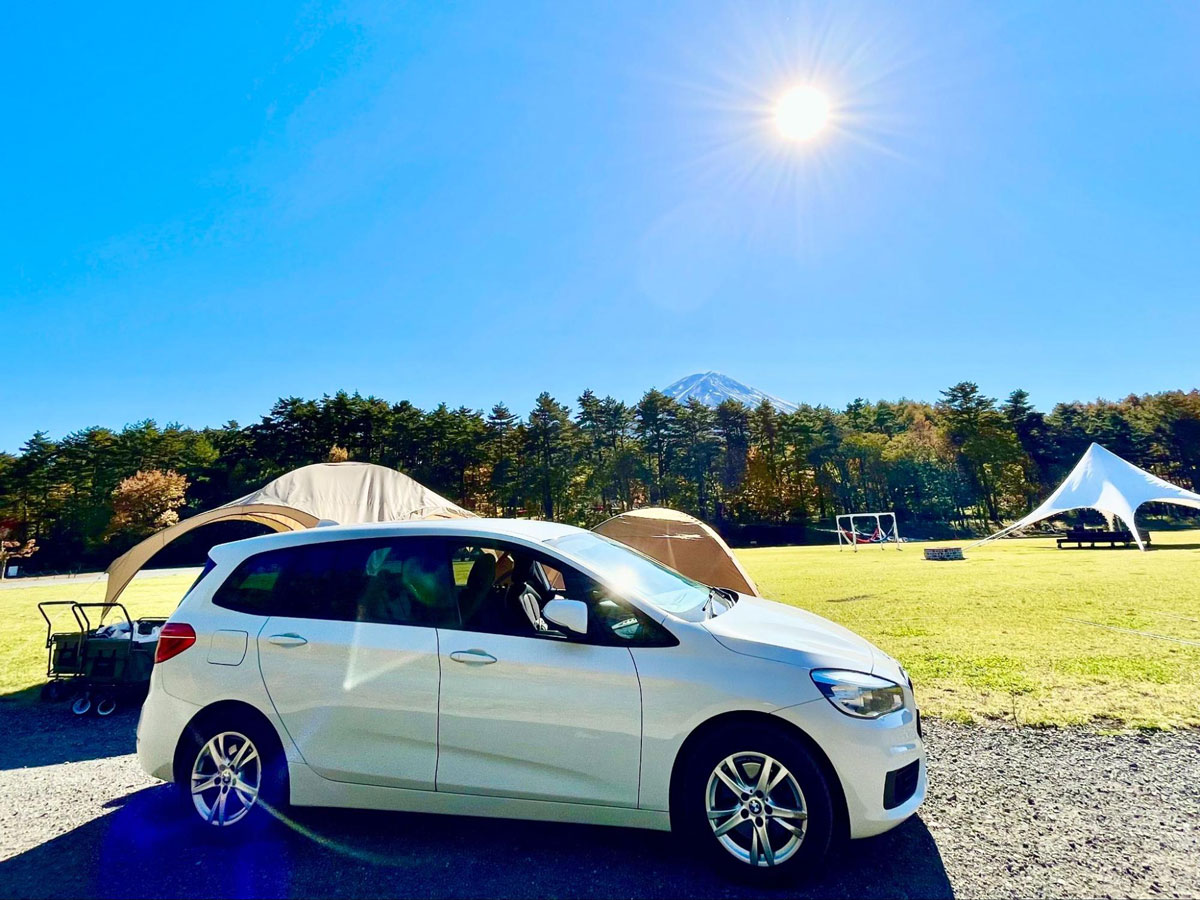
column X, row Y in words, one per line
column 569, row 614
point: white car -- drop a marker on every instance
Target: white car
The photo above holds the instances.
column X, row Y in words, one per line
column 495, row 667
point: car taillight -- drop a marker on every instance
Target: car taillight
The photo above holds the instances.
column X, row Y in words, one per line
column 174, row 638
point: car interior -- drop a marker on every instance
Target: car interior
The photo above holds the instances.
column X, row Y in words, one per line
column 505, row 591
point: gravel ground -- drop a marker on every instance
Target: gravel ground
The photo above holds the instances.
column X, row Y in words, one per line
column 1011, row 812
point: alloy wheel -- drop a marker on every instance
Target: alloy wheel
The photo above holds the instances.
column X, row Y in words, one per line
column 226, row 779
column 756, row 809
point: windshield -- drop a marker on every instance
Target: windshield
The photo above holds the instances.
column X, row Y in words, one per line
column 626, row 568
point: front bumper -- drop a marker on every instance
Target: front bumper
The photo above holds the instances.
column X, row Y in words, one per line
column 870, row 757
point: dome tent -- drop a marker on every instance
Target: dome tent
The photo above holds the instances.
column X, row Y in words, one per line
column 682, row 542
column 1103, row 481
column 344, row 493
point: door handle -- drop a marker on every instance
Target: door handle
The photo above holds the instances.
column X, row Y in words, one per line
column 287, row 640
column 473, row 657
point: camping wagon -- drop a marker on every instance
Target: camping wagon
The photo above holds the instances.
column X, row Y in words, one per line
column 102, row 663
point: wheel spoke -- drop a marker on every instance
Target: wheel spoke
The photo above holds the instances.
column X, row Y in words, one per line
column 776, row 781
column 722, row 813
column 754, row 847
column 206, row 784
column 764, row 841
column 780, row 813
column 733, row 783
column 794, row 829
column 246, row 792
column 244, row 757
column 212, row 811
column 764, row 775
column 728, row 825
column 221, row 802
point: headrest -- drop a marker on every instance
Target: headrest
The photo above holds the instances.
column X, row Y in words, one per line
column 483, row 573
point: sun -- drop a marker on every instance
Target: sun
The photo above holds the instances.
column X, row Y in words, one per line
column 802, row 113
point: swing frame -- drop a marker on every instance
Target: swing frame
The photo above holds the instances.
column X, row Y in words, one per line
column 851, row 536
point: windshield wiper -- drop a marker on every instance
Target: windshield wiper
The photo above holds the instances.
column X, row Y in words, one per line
column 729, row 597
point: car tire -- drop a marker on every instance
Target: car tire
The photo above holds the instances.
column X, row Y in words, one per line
column 760, row 830
column 231, row 774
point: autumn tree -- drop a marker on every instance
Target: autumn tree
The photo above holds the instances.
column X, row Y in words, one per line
column 147, row 501
column 12, row 548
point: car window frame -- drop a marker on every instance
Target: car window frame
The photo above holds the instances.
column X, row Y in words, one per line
column 335, row 546
column 662, row 635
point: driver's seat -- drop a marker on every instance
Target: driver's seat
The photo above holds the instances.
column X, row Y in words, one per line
column 523, row 601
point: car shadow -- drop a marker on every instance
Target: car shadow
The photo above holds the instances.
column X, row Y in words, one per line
column 45, row 734
column 147, row 847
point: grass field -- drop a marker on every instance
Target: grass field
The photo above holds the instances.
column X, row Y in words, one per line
column 999, row 635
column 1018, row 631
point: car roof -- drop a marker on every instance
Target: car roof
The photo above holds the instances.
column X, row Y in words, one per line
column 526, row 530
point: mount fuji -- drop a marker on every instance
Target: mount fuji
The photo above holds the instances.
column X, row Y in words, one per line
column 711, row 388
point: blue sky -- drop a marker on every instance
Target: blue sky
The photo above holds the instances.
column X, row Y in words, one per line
column 206, row 208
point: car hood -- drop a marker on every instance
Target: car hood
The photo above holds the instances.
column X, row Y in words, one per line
column 776, row 631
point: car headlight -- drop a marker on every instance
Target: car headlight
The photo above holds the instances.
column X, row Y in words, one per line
column 858, row 694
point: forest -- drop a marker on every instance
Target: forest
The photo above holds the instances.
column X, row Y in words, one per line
column 956, row 467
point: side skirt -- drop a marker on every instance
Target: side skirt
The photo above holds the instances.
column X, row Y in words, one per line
column 310, row 789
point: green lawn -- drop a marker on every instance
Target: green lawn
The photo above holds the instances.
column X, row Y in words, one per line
column 992, row 636
column 23, row 639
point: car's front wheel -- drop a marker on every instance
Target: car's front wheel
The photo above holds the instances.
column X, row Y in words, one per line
column 757, row 804
column 232, row 774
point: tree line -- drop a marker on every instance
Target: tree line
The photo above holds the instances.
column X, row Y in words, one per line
column 961, row 465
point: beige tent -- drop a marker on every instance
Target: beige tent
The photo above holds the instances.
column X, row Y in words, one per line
column 682, row 542
column 342, row 493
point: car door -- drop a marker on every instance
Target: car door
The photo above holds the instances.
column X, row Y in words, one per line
column 532, row 714
column 350, row 658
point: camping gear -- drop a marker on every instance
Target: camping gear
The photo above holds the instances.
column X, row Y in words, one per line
column 1094, row 536
column 1103, row 481
column 346, row 493
column 682, row 542
column 100, row 664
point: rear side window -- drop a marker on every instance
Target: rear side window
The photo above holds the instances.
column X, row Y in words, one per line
column 251, row 587
column 399, row 581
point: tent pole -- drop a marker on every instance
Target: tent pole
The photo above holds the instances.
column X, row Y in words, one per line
column 999, row 534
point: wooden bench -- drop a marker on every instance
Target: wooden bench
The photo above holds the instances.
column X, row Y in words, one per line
column 1094, row 536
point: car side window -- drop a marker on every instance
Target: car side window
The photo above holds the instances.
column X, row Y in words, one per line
column 611, row 619
column 250, row 587
column 406, row 581
column 503, row 588
column 398, row 581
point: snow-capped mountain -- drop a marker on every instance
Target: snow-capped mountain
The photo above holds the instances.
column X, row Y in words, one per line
column 710, row 388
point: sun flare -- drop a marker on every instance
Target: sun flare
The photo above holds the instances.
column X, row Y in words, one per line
column 802, row 113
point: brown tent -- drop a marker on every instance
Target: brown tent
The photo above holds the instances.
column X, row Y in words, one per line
column 682, row 542
column 341, row 493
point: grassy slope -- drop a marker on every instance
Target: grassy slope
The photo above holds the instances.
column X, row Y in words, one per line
column 990, row 636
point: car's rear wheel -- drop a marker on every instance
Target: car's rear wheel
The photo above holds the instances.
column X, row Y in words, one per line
column 232, row 775
column 754, row 802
